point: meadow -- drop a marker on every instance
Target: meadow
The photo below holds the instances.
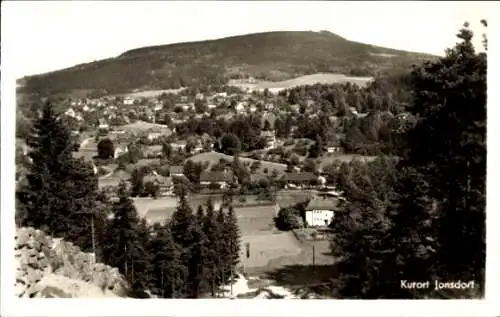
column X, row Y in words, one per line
column 214, row 157
column 318, row 78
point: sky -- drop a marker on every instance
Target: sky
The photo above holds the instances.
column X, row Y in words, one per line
column 43, row 36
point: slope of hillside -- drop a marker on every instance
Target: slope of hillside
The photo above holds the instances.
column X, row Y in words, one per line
column 269, row 56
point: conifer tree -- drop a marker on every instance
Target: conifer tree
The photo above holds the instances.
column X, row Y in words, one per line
column 233, row 238
column 124, row 247
column 222, row 248
column 210, row 229
column 164, row 256
column 447, row 154
column 196, row 263
column 181, row 225
column 59, row 189
column 432, row 224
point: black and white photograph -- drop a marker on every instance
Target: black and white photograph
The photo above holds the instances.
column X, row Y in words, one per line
column 226, row 150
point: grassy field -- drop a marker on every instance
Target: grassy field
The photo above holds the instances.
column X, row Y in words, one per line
column 332, row 157
column 270, row 249
column 214, row 157
column 163, row 207
column 319, row 78
column 151, row 93
column 142, row 126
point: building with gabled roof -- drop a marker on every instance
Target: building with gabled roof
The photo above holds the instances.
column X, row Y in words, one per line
column 321, row 211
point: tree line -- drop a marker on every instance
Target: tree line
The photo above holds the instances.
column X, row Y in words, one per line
column 190, row 255
column 422, row 217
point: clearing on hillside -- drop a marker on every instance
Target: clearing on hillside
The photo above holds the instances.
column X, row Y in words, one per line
column 319, row 78
column 151, row 93
column 343, row 158
column 214, row 157
column 142, row 126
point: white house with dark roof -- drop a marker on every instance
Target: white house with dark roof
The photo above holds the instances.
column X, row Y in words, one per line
column 321, row 211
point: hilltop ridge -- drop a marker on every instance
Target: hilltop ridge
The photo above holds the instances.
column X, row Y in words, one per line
column 269, row 56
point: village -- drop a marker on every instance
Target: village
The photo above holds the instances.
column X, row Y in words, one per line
column 284, row 200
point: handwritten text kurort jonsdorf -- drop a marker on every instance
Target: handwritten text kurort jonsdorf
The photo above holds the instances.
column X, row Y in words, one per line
column 437, row 285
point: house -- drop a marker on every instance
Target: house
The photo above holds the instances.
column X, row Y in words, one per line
column 270, row 137
column 158, row 106
column 128, row 101
column 269, row 107
column 119, row 150
column 154, row 135
column 253, row 108
column 185, row 107
column 198, row 148
column 179, row 145
column 295, row 108
column 103, row 125
column 222, row 94
column 240, row 107
column 152, row 151
column 165, row 184
column 300, row 180
column 222, row 179
column 199, row 96
column 184, row 99
column 176, row 170
column 333, row 146
column 70, row 112
column 321, row 211
column 211, row 106
column 85, row 108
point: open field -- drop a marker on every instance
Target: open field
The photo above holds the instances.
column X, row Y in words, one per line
column 163, row 207
column 214, row 157
column 151, row 93
column 344, row 158
column 270, row 249
column 142, row 126
column 266, row 247
column 319, row 78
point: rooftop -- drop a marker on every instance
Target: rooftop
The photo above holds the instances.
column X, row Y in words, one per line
column 323, row 204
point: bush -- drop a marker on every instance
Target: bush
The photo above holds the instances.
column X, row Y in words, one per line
column 105, row 149
column 289, row 219
column 151, row 189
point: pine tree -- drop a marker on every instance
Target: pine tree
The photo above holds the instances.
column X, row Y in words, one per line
column 124, row 247
column 233, row 237
column 165, row 264
column 181, row 225
column 429, row 222
column 210, row 230
column 222, row 246
column 60, row 189
column 196, row 263
column 360, row 230
column 449, row 152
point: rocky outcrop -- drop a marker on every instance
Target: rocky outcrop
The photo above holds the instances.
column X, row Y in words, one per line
column 48, row 267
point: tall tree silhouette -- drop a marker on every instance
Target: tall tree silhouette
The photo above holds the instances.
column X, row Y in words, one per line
column 58, row 187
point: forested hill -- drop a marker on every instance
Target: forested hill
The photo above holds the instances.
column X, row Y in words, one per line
column 270, row 56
